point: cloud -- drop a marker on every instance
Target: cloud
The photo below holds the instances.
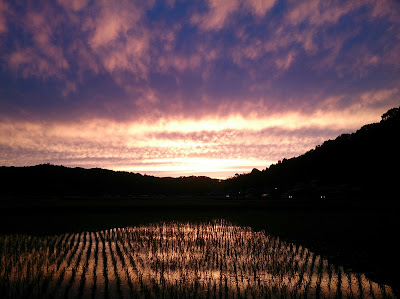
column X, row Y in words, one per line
column 180, row 63
column 122, row 41
column 109, row 40
column 220, row 11
column 74, row 5
column 260, row 7
column 380, row 97
column 183, row 144
column 317, row 12
column 130, row 55
column 70, row 87
column 39, row 56
column 29, row 63
column 208, row 130
column 41, row 25
column 84, row 59
column 217, row 14
column 111, row 23
column 140, row 152
column 307, row 30
column 285, row 62
column 219, row 80
column 3, row 19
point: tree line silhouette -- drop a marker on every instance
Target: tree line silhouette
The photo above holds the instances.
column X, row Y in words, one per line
column 364, row 164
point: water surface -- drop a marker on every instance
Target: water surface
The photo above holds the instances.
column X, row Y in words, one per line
column 214, row 259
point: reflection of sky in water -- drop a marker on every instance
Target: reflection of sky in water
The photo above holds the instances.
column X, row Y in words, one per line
column 173, row 260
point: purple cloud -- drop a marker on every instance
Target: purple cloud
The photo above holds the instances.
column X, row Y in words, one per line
column 221, row 80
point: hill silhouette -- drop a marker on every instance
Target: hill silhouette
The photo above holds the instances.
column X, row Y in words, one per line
column 361, row 165
column 54, row 180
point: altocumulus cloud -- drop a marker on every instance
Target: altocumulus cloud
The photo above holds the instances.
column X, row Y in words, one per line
column 190, row 87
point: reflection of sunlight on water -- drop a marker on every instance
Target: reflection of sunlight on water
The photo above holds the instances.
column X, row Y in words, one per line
column 173, row 260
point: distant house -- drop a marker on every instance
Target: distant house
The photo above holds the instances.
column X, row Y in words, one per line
column 287, row 195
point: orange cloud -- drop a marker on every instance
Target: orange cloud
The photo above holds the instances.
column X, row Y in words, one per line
column 260, row 7
column 217, row 15
column 130, row 85
column 112, row 22
column 219, row 12
column 181, row 146
column 75, row 5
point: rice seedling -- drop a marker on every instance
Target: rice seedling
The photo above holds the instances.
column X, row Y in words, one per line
column 95, row 265
column 105, row 269
column 173, row 260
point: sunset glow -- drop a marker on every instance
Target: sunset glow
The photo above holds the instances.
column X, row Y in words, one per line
column 176, row 88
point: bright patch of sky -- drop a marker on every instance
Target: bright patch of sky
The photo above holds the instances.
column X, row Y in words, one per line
column 190, row 87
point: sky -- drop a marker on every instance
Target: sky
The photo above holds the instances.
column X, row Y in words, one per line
column 179, row 88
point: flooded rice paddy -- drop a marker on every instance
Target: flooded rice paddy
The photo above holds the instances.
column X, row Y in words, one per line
column 214, row 259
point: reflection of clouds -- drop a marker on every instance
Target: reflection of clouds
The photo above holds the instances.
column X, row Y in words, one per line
column 209, row 259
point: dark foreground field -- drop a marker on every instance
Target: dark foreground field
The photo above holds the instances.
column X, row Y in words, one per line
column 361, row 236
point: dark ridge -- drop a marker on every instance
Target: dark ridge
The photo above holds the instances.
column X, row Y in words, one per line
column 358, row 166
column 59, row 181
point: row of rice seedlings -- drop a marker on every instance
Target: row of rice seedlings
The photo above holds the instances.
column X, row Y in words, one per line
column 66, row 251
column 90, row 290
column 105, row 268
column 176, row 260
column 84, row 265
column 113, row 256
column 150, row 238
column 75, row 265
column 28, row 273
column 221, row 264
column 63, row 262
column 65, row 258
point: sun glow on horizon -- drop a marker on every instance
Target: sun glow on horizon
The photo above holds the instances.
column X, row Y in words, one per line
column 190, row 87
column 213, row 168
column 214, row 147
